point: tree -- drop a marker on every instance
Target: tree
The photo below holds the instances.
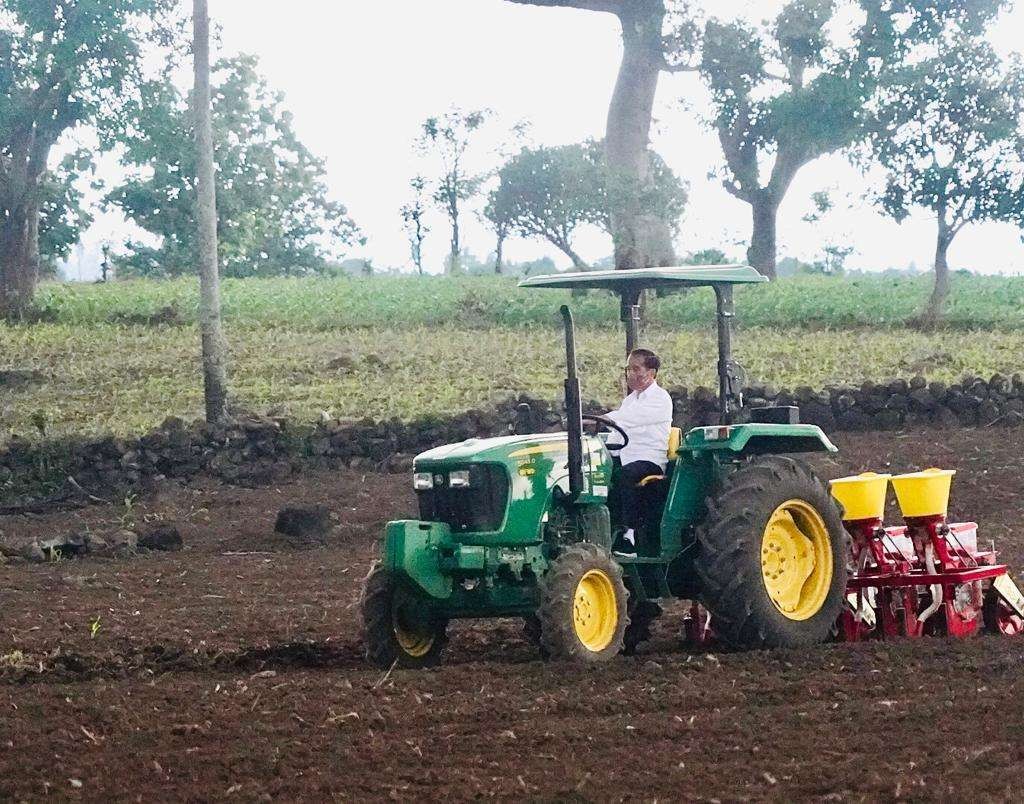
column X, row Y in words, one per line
column 215, row 382
column 62, row 62
column 792, row 90
column 548, row 192
column 498, row 215
column 653, row 37
column 706, row 256
column 783, row 120
column 449, row 137
column 413, row 214
column 274, row 212
column 946, row 133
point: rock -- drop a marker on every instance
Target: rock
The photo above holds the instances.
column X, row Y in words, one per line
column 968, row 417
column 124, row 541
column 978, row 389
column 961, row 403
column 898, row 402
column 1013, row 418
column 784, row 398
column 922, row 399
column 945, row 418
column 70, row 546
column 164, row 536
column 845, row 402
column 27, row 549
column 400, row 462
column 938, row 390
column 988, row 412
column 304, row 525
column 898, row 386
column 999, row 384
column 704, row 396
column 918, row 382
column 816, row 413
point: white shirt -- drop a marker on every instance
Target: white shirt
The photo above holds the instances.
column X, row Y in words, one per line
column 646, row 416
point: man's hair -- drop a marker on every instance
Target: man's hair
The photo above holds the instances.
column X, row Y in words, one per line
column 651, row 360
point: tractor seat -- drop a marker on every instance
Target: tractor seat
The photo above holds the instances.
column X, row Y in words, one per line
column 675, row 438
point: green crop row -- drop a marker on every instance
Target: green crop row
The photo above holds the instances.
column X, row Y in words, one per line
column 408, row 302
column 125, row 379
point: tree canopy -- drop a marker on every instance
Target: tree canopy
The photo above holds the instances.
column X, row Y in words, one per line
column 448, row 138
column 62, row 62
column 946, row 131
column 274, row 214
column 548, row 192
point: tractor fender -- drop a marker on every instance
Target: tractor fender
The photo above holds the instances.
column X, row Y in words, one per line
column 758, row 439
column 413, row 550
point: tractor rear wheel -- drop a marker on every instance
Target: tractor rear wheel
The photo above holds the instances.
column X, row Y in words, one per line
column 398, row 627
column 583, row 605
column 772, row 556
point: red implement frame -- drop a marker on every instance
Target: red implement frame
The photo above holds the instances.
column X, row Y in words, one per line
column 922, row 578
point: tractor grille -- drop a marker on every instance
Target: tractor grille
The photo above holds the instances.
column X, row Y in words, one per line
column 479, row 508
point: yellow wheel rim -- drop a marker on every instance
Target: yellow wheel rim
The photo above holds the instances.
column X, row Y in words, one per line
column 796, row 559
column 595, row 613
column 416, row 639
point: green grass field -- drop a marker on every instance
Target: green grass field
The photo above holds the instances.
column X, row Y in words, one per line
column 483, row 302
column 411, row 347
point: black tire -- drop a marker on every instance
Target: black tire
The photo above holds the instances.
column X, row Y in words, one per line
column 558, row 613
column 398, row 626
column 729, row 559
column 642, row 614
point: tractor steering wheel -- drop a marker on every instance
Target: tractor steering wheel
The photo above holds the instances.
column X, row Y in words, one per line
column 612, row 426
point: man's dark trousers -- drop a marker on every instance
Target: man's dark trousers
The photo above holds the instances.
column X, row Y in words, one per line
column 629, row 494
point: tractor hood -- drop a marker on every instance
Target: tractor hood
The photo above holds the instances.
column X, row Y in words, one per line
column 491, row 449
column 505, row 485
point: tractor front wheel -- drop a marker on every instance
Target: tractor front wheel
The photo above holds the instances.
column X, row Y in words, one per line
column 399, row 627
column 583, row 605
column 772, row 556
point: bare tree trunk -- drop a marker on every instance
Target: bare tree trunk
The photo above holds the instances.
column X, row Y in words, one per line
column 454, row 258
column 577, row 261
column 497, row 253
column 18, row 274
column 641, row 240
column 761, row 254
column 215, row 381
column 933, row 310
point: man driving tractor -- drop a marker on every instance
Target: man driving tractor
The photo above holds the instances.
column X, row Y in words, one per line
column 646, row 416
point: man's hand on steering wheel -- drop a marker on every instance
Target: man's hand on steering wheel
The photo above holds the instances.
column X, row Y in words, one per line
column 604, row 420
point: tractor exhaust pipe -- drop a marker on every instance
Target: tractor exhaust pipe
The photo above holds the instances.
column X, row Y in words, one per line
column 573, row 408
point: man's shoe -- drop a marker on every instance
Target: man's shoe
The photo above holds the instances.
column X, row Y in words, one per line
column 625, row 545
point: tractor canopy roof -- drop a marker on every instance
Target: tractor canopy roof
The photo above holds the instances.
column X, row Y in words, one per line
column 639, row 278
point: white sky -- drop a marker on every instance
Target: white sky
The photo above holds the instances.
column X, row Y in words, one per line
column 361, row 76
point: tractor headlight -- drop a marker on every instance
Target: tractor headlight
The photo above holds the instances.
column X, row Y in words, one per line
column 422, row 481
column 459, row 479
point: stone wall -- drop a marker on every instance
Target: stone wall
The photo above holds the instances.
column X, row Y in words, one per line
column 256, row 450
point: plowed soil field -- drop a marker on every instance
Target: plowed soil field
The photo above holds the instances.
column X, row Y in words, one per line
column 233, row 670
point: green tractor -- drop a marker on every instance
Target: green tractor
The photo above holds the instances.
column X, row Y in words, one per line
column 522, row 526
